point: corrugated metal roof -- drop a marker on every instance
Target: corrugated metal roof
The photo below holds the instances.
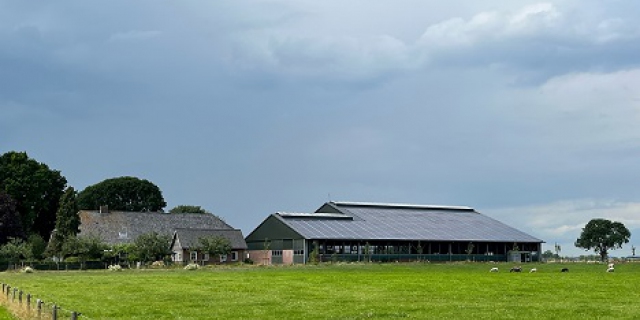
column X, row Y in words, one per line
column 376, row 221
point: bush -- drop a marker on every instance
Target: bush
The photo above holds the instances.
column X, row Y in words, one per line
column 248, row 261
column 192, row 266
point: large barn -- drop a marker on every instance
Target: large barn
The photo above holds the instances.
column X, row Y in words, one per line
column 357, row 231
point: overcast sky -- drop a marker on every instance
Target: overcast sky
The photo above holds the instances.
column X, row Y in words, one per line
column 527, row 111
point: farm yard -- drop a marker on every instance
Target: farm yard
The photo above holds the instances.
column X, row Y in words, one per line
column 344, row 291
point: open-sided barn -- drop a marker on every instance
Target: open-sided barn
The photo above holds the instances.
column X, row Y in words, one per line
column 356, row 231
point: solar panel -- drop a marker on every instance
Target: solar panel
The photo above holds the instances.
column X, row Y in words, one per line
column 392, row 222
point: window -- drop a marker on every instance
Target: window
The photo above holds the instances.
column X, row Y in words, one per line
column 178, row 257
column 223, row 258
column 276, row 253
column 299, row 252
column 205, row 257
column 193, row 255
column 234, row 256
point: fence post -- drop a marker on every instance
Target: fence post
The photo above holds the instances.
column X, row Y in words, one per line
column 54, row 313
column 74, row 315
column 28, row 300
column 3, row 286
column 8, row 289
column 39, row 306
column 13, row 297
column 20, row 296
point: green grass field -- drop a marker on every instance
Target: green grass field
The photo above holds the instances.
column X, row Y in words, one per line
column 359, row 291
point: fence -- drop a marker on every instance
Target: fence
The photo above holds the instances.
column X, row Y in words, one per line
column 25, row 306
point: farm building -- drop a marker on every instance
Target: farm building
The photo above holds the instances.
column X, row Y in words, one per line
column 185, row 240
column 117, row 227
column 355, row 231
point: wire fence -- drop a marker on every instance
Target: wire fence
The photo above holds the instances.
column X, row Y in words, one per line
column 25, row 306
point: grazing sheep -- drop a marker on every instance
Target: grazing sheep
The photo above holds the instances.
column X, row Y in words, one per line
column 516, row 269
column 564, row 270
column 533, row 270
column 493, row 270
column 610, row 265
column 610, row 269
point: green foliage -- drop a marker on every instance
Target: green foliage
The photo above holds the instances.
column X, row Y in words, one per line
column 151, row 247
column 84, row 248
column 188, row 209
column 123, row 194
column 15, row 250
column 10, row 224
column 37, row 246
column 214, row 245
column 35, row 188
column 314, row 256
column 67, row 218
column 67, row 222
column 603, row 235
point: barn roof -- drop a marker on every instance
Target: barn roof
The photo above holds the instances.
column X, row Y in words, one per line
column 190, row 237
column 388, row 221
column 124, row 227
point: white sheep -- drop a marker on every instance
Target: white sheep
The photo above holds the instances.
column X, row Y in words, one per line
column 533, row 270
column 610, row 265
column 494, row 269
column 610, row 269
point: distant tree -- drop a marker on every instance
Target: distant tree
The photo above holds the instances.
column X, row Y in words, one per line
column 15, row 250
column 469, row 250
column 152, row 247
column 67, row 222
column 10, row 224
column 35, row 188
column 603, row 235
column 84, row 248
column 188, row 209
column 214, row 245
column 37, row 245
column 547, row 254
column 122, row 194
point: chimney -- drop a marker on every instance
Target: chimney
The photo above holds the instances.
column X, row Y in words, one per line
column 104, row 209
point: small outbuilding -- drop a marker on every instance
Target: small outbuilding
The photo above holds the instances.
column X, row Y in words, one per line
column 360, row 231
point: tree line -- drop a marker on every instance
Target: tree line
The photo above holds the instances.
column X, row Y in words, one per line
column 39, row 211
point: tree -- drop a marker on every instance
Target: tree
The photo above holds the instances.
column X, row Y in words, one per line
column 35, row 188
column 15, row 250
column 84, row 248
column 124, row 194
column 10, row 224
column 152, row 247
column 603, row 235
column 214, row 245
column 67, row 222
column 188, row 209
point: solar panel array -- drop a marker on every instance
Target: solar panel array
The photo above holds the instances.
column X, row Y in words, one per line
column 380, row 222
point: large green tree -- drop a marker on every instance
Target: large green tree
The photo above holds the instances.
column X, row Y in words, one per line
column 10, row 224
column 152, row 247
column 215, row 246
column 603, row 235
column 67, row 222
column 123, row 194
column 35, row 188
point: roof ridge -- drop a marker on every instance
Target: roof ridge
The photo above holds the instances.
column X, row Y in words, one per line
column 399, row 205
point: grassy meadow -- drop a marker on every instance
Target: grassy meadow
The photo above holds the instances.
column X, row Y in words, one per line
column 344, row 291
